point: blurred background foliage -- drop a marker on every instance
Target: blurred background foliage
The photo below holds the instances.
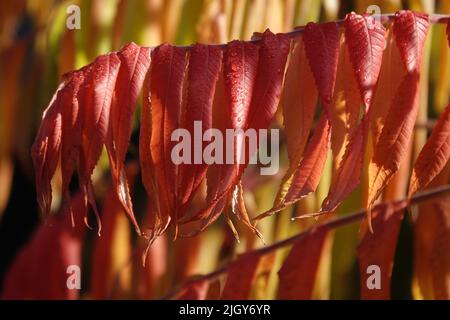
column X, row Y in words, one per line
column 36, row 48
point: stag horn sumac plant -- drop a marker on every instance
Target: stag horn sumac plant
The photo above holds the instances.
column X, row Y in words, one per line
column 346, row 65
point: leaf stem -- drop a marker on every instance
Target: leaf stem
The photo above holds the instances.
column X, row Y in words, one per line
column 330, row 224
column 434, row 18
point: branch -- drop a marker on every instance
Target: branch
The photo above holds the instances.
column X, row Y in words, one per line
column 385, row 18
column 331, row 224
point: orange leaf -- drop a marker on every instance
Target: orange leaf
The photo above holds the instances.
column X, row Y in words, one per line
column 299, row 106
column 409, row 31
column 322, row 49
column 391, row 75
column 307, row 177
column 440, row 259
column 238, row 205
column 349, row 171
column 299, row 102
column 434, row 155
column 346, row 104
column 366, row 42
column 431, row 232
column 394, row 139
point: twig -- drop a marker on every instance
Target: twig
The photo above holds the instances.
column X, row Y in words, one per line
column 434, row 18
column 331, row 224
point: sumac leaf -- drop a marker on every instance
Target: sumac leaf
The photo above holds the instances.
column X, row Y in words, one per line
column 410, row 29
column 299, row 103
column 377, row 250
column 95, row 100
column 322, row 50
column 166, row 87
column 46, row 150
column 273, row 53
column 204, row 67
column 240, row 277
column 40, row 270
column 434, row 155
column 399, row 123
column 366, row 41
column 298, row 273
column 307, row 177
column 135, row 62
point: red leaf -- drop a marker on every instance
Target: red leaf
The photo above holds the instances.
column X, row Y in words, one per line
column 240, row 69
column 322, row 50
column 366, row 41
column 298, row 273
column 46, row 150
column 378, row 249
column 365, row 37
column 135, row 62
column 204, row 67
column 40, row 270
column 410, row 29
column 241, row 274
column 158, row 223
column 72, row 125
column 273, row 53
column 96, row 96
column 166, row 85
column 431, row 240
column 434, row 155
column 95, row 101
